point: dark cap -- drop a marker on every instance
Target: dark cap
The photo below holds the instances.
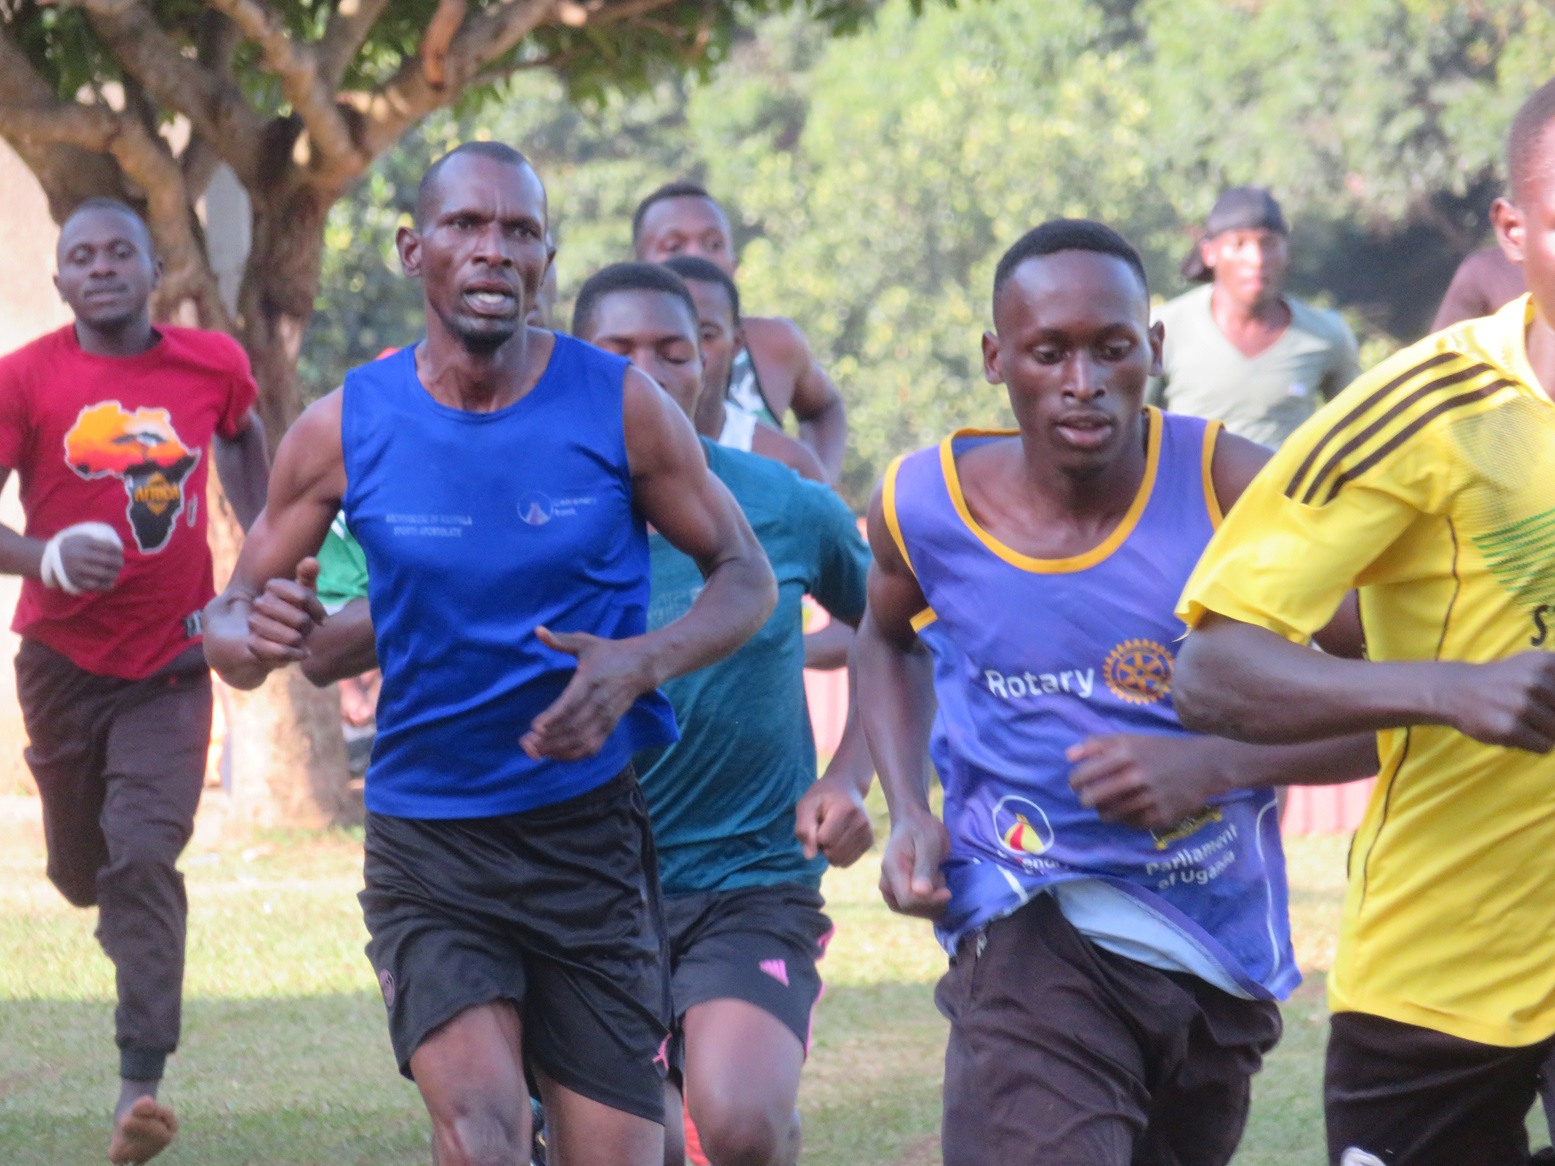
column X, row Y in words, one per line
column 1242, row 208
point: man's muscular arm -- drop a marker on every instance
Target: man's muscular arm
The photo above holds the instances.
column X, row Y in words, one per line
column 1247, row 683
column 1152, row 782
column 342, row 646
column 692, row 509
column 243, row 465
column 830, row 818
column 262, row 620
column 1250, row 684
column 895, row 670
column 782, row 356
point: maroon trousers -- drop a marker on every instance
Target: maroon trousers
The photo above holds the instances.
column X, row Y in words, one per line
column 119, row 766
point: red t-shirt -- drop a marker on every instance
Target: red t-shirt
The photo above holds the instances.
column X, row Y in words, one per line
column 126, row 441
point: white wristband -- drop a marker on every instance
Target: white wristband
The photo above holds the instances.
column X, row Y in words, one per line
column 52, row 569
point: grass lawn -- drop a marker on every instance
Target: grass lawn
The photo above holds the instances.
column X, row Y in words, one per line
column 286, row 1061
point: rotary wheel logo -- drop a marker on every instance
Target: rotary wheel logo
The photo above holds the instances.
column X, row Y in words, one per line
column 1139, row 671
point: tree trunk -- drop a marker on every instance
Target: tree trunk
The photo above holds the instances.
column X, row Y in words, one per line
column 276, row 299
column 289, row 759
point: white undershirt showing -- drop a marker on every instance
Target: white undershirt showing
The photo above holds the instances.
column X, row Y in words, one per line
column 739, row 431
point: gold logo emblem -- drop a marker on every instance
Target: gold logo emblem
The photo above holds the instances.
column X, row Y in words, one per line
column 1139, row 671
column 157, row 494
column 1190, row 825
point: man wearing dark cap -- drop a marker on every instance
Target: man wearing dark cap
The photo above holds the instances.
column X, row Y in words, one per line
column 1239, row 350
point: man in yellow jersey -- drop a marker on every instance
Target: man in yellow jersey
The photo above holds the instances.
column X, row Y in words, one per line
column 1429, row 484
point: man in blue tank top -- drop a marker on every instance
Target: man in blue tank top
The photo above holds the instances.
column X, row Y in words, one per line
column 743, row 828
column 1110, row 887
column 499, row 479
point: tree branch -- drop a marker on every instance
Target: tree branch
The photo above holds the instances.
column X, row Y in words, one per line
column 349, row 25
column 68, row 174
column 483, row 38
column 145, row 161
column 598, row 13
column 494, row 76
column 297, row 68
column 492, row 34
column 140, row 105
column 393, row 107
column 216, row 39
column 437, row 39
column 199, row 163
column 215, row 109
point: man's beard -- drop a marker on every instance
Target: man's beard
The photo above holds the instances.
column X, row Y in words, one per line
column 481, row 336
column 484, row 338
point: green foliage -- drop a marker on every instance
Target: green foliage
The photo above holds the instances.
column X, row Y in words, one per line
column 593, row 61
column 875, row 180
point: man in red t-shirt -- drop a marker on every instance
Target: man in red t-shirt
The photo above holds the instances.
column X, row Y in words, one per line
column 109, row 422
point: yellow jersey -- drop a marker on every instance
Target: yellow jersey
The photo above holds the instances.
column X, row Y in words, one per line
column 1429, row 485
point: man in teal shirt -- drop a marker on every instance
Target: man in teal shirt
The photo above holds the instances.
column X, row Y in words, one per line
column 743, row 828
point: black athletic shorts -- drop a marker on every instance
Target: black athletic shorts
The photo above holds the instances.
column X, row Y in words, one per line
column 757, row 944
column 555, row 909
column 1402, row 1095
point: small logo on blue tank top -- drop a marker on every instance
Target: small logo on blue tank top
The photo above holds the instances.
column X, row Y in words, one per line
column 536, row 508
column 1139, row 671
column 1021, row 826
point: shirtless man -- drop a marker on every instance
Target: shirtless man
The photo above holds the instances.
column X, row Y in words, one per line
column 722, row 343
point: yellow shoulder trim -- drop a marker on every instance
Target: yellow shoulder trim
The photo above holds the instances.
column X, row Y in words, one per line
column 1212, row 433
column 924, row 618
column 888, row 507
column 1091, row 557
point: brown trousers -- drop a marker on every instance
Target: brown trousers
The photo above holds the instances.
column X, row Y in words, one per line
column 1062, row 1054
column 119, row 766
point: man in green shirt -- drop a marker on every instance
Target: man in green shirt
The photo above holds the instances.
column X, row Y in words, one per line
column 1239, row 350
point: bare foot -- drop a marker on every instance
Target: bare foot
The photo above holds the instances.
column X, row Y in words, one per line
column 141, row 1132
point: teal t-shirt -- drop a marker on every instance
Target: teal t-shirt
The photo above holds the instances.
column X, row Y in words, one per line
column 722, row 798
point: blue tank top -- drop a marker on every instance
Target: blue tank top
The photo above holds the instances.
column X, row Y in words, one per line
column 1033, row 656
column 477, row 528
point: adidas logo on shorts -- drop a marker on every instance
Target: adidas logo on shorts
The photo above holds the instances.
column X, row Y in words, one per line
column 1355, row 1156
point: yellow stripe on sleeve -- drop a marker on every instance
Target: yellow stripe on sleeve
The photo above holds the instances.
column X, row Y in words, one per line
column 888, row 506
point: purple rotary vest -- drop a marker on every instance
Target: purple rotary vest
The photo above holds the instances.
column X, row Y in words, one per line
column 1033, row 656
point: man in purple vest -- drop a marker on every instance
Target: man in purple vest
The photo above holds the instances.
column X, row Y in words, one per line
column 500, row 478
column 1110, row 887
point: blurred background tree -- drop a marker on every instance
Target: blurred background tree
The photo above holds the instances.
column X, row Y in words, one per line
column 874, row 180
column 148, row 101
